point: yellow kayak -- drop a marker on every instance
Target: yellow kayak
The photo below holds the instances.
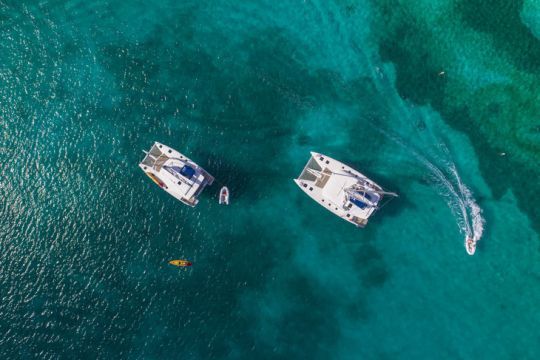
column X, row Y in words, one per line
column 181, row 263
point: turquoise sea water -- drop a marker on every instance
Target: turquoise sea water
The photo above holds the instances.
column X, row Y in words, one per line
column 247, row 89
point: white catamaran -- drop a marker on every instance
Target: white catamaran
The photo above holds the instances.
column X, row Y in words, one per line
column 344, row 191
column 175, row 173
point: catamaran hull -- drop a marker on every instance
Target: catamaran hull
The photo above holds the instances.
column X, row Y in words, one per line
column 172, row 185
column 316, row 193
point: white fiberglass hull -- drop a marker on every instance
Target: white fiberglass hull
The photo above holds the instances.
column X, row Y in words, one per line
column 328, row 187
column 164, row 166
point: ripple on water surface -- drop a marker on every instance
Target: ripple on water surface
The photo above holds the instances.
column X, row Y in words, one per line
column 247, row 90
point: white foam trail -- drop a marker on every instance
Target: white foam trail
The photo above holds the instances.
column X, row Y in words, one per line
column 476, row 227
column 459, row 198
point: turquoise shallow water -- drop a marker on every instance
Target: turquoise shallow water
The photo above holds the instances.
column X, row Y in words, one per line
column 247, row 89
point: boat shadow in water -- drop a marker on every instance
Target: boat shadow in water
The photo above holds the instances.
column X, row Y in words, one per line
column 373, row 273
column 241, row 183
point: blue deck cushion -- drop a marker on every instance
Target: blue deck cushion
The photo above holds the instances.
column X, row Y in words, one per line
column 187, row 171
column 358, row 203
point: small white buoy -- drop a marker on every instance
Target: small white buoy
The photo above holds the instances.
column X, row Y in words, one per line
column 502, row 154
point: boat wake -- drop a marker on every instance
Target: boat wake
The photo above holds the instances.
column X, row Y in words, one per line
column 459, row 199
column 458, row 196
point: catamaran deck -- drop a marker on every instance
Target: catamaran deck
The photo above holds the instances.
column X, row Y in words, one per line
column 340, row 189
column 175, row 173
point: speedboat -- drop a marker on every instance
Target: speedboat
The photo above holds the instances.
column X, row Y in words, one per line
column 224, row 195
column 340, row 189
column 470, row 245
column 175, row 173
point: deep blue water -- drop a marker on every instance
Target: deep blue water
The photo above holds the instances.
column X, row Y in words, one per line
column 406, row 93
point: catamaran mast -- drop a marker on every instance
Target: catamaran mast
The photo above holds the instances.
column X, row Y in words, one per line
column 386, row 193
column 372, row 190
